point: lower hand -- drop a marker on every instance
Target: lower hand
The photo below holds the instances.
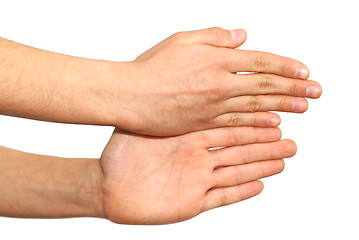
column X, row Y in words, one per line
column 157, row 180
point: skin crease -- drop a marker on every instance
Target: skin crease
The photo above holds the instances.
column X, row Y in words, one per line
column 188, row 82
column 192, row 76
column 160, row 180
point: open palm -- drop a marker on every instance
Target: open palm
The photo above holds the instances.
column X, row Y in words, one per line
column 158, row 180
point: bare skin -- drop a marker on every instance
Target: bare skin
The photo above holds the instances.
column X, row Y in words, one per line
column 186, row 83
column 144, row 180
column 150, row 180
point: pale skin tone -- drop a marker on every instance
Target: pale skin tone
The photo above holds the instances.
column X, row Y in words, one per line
column 144, row 180
column 186, row 83
column 185, row 94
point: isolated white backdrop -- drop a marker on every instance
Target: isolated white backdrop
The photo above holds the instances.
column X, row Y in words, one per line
column 316, row 197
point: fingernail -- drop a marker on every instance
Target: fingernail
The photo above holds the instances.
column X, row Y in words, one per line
column 312, row 91
column 236, row 34
column 301, row 73
column 299, row 105
column 273, row 121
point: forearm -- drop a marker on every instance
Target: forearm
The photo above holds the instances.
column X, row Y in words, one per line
column 49, row 187
column 49, row 86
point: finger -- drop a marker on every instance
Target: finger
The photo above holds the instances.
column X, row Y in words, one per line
column 231, row 136
column 263, row 103
column 258, row 119
column 224, row 196
column 263, row 84
column 214, row 36
column 255, row 61
column 238, row 174
column 250, row 153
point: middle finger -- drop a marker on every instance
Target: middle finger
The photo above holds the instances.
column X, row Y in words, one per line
column 263, row 84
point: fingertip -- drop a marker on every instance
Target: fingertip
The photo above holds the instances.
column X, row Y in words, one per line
column 301, row 72
column 320, row 90
column 260, row 186
column 275, row 134
column 314, row 91
column 279, row 133
column 239, row 36
column 300, row 105
column 295, row 147
column 290, row 147
column 281, row 165
column 251, row 189
column 268, row 134
column 270, row 119
column 308, row 73
column 299, row 69
column 274, row 121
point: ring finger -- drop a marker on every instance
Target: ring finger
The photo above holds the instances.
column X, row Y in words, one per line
column 263, row 103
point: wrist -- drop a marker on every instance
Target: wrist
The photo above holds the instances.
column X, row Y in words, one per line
column 91, row 192
column 105, row 91
column 120, row 92
column 88, row 189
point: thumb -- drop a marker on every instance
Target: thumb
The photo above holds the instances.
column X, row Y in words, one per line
column 215, row 36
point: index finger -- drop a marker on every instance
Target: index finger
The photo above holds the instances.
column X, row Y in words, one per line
column 235, row 136
column 255, row 61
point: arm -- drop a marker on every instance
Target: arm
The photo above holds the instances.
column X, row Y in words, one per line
column 142, row 179
column 40, row 186
column 186, row 83
column 50, row 86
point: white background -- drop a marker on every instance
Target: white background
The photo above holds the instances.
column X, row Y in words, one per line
column 316, row 197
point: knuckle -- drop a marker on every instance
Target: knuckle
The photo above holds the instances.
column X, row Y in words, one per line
column 209, row 181
column 260, row 63
column 254, row 104
column 234, row 120
column 271, row 151
column 283, row 103
column 215, row 93
column 246, row 155
column 216, row 29
column 223, row 197
column 218, row 34
column 266, row 84
column 211, row 94
column 237, row 174
column 254, row 120
column 178, row 36
column 295, row 89
column 218, row 162
column 233, row 137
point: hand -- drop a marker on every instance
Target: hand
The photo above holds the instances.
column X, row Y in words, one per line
column 188, row 82
column 156, row 180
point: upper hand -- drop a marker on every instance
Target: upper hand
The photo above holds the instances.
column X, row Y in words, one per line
column 189, row 82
